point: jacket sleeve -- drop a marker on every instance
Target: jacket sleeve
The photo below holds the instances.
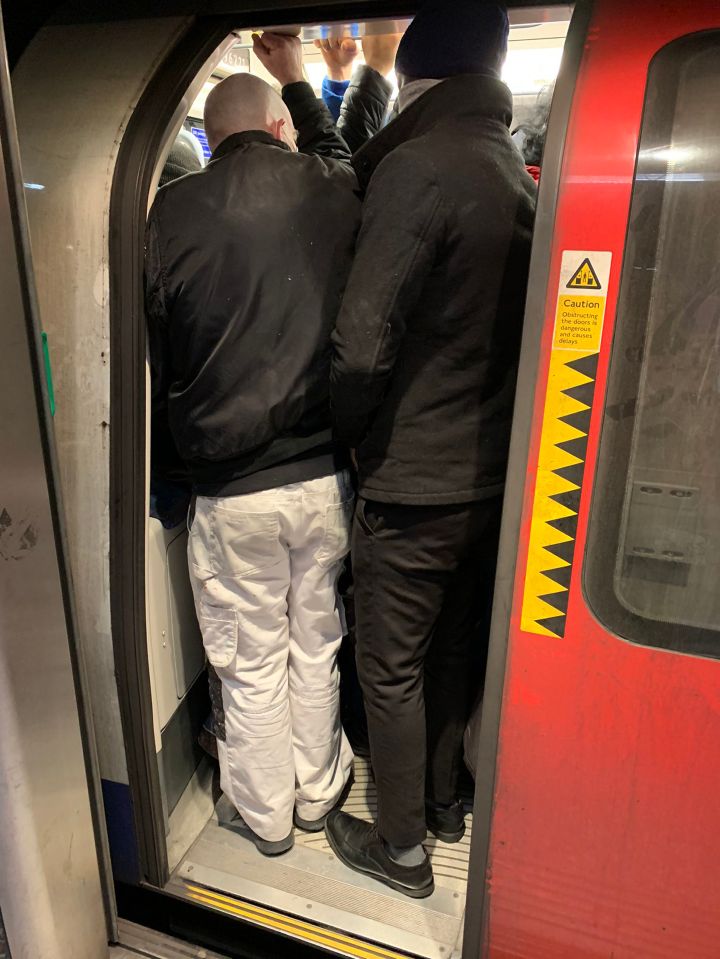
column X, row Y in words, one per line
column 317, row 133
column 364, row 108
column 402, row 228
column 165, row 461
column 332, row 93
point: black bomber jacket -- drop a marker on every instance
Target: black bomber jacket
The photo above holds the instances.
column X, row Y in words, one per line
column 246, row 262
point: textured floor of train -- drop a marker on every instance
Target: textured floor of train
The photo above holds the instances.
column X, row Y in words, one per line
column 311, row 884
column 450, row 862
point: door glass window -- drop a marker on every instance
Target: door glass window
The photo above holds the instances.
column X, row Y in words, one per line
column 653, row 558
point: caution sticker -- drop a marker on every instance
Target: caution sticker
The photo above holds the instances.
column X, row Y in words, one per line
column 579, row 317
column 581, row 301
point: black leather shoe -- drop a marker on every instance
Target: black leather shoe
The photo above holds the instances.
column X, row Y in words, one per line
column 446, row 822
column 358, row 845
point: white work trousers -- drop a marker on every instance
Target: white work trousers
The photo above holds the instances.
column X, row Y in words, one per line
column 264, row 568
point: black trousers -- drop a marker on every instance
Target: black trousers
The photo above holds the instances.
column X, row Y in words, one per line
column 423, row 581
column 352, row 706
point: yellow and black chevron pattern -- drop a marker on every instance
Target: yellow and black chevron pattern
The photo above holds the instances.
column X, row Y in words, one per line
column 561, row 465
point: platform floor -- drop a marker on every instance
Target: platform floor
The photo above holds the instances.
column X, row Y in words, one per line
column 139, row 942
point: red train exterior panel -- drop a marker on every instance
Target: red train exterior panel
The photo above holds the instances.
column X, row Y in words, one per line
column 605, row 839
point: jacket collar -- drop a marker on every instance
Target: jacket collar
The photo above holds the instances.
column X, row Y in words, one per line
column 236, row 140
column 472, row 96
column 411, row 91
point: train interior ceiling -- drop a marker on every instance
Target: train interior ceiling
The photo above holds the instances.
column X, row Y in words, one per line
column 208, row 860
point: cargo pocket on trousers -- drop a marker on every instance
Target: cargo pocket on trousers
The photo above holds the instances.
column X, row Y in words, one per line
column 336, row 537
column 219, row 627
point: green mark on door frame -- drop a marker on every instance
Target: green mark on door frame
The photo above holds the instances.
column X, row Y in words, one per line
column 48, row 373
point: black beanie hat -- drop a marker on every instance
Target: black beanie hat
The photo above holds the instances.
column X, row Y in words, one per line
column 449, row 37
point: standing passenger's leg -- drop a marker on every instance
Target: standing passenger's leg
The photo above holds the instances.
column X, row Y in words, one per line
column 403, row 557
column 323, row 758
column 454, row 667
column 352, row 704
column 241, row 575
column 399, row 585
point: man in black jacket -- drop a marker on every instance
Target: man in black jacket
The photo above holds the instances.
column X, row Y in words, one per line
column 423, row 377
column 245, row 267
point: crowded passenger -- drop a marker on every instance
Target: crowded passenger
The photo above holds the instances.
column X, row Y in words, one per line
column 422, row 384
column 245, row 267
column 339, row 54
column 359, row 101
column 423, row 380
column 366, row 101
column 185, row 156
column 530, row 135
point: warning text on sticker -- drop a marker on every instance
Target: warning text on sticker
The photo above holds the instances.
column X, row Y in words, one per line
column 579, row 322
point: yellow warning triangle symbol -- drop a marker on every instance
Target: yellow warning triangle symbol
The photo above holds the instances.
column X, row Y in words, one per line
column 584, row 278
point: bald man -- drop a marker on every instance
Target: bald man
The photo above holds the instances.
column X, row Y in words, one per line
column 246, row 262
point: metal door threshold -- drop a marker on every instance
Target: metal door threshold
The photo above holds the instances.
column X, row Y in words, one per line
column 139, row 942
column 308, row 894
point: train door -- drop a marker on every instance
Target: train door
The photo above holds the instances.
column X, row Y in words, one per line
column 597, row 822
column 98, row 147
column 307, row 893
column 51, row 891
column 98, row 105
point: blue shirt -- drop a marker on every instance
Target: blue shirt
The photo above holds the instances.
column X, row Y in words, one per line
column 333, row 92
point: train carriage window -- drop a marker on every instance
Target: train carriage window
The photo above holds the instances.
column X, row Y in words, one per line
column 653, row 556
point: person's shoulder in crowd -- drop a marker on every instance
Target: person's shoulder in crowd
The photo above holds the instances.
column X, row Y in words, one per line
column 480, row 146
column 185, row 156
